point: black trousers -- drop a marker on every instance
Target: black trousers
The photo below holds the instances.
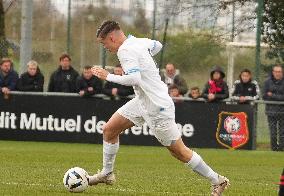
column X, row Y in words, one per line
column 276, row 127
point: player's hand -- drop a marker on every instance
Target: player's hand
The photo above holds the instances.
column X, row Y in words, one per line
column 100, row 72
column 269, row 94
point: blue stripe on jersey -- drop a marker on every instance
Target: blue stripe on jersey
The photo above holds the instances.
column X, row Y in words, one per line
column 133, row 70
column 155, row 44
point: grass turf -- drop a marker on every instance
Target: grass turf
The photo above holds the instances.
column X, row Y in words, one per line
column 37, row 168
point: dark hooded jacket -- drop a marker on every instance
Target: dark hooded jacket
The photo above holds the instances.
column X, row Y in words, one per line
column 277, row 89
column 219, row 88
column 122, row 90
column 94, row 82
column 31, row 83
column 63, row 81
column 9, row 81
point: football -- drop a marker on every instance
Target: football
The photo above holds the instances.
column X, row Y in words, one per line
column 76, row 180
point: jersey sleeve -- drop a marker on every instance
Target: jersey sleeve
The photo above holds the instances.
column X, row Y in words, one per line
column 153, row 46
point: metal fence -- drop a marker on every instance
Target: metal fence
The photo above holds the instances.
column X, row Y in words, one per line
column 270, row 125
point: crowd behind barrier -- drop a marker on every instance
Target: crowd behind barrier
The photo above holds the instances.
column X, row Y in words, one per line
column 67, row 80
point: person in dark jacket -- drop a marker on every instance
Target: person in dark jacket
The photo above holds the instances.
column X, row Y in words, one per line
column 245, row 89
column 87, row 84
column 64, row 78
column 273, row 90
column 114, row 89
column 216, row 88
column 32, row 80
column 171, row 77
column 8, row 77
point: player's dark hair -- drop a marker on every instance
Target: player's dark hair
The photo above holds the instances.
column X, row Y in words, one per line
column 118, row 65
column 107, row 27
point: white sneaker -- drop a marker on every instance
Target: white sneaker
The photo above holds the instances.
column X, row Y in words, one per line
column 217, row 189
column 108, row 179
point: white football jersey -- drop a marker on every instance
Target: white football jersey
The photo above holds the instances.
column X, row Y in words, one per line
column 135, row 55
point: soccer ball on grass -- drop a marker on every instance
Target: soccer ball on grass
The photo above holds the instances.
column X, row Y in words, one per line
column 76, row 180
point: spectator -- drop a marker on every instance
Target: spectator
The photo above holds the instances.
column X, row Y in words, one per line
column 171, row 77
column 194, row 93
column 64, row 78
column 245, row 89
column 113, row 89
column 8, row 77
column 32, row 80
column 216, row 88
column 87, row 84
column 174, row 93
column 274, row 91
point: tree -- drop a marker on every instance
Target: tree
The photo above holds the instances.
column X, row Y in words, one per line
column 190, row 50
column 141, row 23
column 3, row 42
column 273, row 28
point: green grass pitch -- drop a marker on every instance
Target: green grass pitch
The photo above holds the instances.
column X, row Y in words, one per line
column 37, row 168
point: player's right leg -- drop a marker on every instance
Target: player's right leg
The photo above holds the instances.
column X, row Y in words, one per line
column 111, row 131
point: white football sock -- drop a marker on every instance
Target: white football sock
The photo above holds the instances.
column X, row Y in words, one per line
column 109, row 154
column 199, row 166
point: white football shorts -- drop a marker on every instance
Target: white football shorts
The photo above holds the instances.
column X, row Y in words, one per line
column 160, row 120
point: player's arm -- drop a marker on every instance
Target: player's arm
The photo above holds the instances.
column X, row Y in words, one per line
column 127, row 80
column 130, row 79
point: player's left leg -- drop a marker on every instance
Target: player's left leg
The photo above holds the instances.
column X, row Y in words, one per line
column 166, row 131
column 194, row 161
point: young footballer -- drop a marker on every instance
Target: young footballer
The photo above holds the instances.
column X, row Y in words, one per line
column 152, row 104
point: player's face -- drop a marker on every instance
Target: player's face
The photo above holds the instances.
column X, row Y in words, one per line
column 6, row 67
column 108, row 43
column 277, row 73
column 32, row 70
column 245, row 76
column 87, row 74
